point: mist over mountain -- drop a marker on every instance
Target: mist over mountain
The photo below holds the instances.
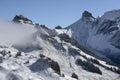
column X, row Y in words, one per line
column 88, row 49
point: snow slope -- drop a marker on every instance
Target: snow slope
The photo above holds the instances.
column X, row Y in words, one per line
column 99, row 34
column 44, row 55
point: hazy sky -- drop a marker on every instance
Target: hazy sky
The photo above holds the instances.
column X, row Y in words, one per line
column 55, row 12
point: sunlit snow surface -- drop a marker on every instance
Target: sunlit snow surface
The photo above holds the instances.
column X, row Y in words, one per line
column 28, row 67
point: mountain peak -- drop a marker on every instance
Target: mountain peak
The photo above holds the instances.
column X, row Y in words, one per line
column 22, row 19
column 87, row 14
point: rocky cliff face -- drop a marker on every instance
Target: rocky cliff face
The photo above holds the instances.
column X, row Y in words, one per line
column 22, row 19
column 100, row 34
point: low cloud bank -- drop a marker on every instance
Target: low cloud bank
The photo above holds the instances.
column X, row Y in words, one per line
column 11, row 33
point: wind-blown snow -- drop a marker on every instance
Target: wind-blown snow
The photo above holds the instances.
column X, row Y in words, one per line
column 12, row 33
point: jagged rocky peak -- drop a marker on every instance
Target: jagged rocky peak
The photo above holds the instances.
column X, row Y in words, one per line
column 58, row 27
column 87, row 14
column 22, row 19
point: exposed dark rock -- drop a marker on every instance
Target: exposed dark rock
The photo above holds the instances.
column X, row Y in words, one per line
column 53, row 41
column 115, row 40
column 87, row 14
column 19, row 18
column 66, row 38
column 37, row 24
column 73, row 52
column 43, row 26
column 62, row 75
column 113, row 29
column 88, row 66
column 42, row 56
column 43, row 63
column 52, row 33
column 4, row 52
column 27, row 62
column 74, row 76
column 106, row 26
column 58, row 27
column 18, row 54
column 57, row 45
column 1, row 59
column 55, row 67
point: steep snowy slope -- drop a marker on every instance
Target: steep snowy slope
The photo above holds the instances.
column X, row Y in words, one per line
column 45, row 55
column 111, row 15
column 100, row 35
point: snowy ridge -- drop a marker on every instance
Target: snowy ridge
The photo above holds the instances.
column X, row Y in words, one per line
column 45, row 55
column 99, row 35
column 111, row 15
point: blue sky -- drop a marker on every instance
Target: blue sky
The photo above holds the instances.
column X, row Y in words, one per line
column 55, row 12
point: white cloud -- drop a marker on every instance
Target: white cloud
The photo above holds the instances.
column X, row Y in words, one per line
column 12, row 33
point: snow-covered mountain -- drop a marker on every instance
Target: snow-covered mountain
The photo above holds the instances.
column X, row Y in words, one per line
column 36, row 52
column 100, row 35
